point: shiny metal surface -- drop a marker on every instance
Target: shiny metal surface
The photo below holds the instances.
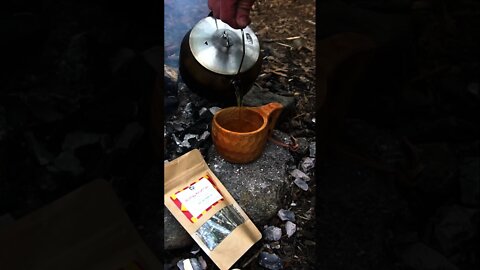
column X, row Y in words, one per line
column 220, row 50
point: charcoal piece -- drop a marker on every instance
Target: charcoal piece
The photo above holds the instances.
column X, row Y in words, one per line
column 170, row 103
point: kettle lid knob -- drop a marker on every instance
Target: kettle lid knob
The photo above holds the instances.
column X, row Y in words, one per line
column 220, row 48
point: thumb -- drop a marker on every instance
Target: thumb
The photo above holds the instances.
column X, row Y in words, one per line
column 243, row 12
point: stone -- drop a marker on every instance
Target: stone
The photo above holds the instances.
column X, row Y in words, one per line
column 312, row 149
column 214, row 109
column 258, row 96
column 256, row 186
column 190, row 264
column 272, row 233
column 270, row 261
column 290, row 228
column 301, row 184
column 175, row 235
column 299, row 175
column 307, row 164
column 419, row 256
column 286, row 215
column 203, row 263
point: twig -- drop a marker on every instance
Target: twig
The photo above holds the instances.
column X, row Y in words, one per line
column 310, row 22
column 285, row 45
column 299, row 115
column 278, row 73
column 281, row 39
column 293, row 38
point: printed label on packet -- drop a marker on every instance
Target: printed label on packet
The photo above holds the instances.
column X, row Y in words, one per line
column 197, row 198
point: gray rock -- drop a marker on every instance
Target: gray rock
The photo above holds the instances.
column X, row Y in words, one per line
column 191, row 263
column 286, row 215
column 456, row 227
column 202, row 262
column 214, row 110
column 301, row 184
column 258, row 96
column 307, row 164
column 290, row 228
column 175, row 235
column 299, row 175
column 272, row 233
column 204, row 113
column 312, row 149
column 270, row 261
column 470, row 181
column 256, row 186
column 421, row 257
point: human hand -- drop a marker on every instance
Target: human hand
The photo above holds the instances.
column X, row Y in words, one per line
column 235, row 13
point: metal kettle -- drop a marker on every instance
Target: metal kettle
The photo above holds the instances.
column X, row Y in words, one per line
column 218, row 61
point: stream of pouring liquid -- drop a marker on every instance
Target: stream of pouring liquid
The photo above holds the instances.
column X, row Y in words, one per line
column 239, row 96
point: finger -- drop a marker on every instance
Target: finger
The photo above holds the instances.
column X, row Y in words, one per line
column 214, row 6
column 243, row 13
column 228, row 10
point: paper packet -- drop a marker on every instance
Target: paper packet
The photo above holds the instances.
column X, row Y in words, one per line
column 207, row 211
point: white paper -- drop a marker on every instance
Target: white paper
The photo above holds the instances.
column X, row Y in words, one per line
column 198, row 197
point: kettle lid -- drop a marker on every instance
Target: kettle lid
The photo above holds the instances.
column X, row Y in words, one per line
column 219, row 47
